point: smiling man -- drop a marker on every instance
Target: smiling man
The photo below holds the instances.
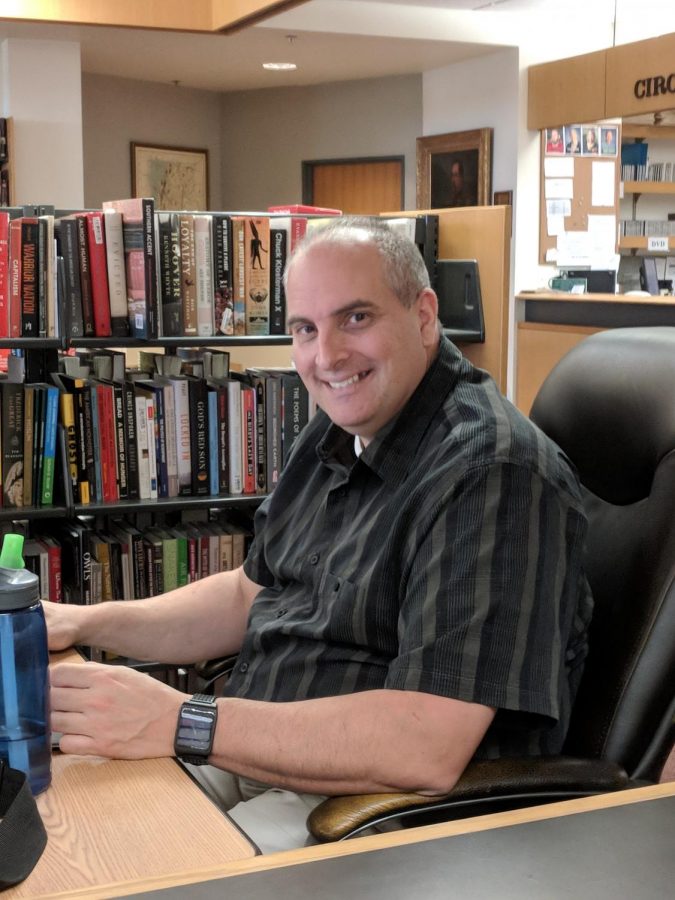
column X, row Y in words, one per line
column 414, row 594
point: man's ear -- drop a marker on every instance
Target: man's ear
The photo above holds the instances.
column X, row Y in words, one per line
column 427, row 310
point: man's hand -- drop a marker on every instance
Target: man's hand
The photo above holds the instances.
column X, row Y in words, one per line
column 113, row 711
column 62, row 624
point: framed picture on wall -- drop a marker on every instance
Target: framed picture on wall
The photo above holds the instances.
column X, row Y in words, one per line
column 176, row 177
column 454, row 169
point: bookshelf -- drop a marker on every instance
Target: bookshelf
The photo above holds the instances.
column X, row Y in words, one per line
column 636, row 189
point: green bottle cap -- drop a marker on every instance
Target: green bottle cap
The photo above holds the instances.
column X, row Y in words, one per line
column 11, row 553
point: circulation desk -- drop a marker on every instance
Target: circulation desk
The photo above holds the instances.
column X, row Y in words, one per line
column 551, row 323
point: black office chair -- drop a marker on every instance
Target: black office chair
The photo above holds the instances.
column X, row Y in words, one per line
column 610, row 405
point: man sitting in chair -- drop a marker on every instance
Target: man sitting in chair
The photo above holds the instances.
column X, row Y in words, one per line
column 414, row 594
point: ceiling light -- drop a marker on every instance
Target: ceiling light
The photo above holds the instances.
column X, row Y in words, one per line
column 280, row 66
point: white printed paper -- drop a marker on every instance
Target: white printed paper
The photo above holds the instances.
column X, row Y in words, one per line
column 555, row 225
column 603, row 176
column 559, row 167
column 558, row 207
column 558, row 188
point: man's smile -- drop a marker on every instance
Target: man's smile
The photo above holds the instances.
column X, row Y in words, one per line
column 353, row 379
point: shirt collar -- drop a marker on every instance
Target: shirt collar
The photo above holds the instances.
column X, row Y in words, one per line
column 392, row 451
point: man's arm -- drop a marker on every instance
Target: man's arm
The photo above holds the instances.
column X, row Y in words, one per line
column 372, row 741
column 203, row 620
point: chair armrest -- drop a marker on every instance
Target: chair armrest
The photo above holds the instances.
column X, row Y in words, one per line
column 210, row 670
column 526, row 782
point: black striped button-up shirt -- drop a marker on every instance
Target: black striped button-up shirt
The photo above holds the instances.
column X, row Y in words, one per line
column 446, row 558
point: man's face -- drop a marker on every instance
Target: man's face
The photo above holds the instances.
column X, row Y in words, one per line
column 359, row 351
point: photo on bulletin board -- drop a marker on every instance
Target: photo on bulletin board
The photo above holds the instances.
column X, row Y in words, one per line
column 609, row 139
column 573, row 139
column 555, row 143
column 590, row 142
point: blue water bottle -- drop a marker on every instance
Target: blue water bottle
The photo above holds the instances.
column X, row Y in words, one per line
column 25, row 737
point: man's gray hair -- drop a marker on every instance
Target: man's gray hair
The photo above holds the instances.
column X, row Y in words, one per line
column 402, row 263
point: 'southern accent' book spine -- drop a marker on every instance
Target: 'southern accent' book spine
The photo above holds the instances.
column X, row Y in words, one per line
column 222, row 274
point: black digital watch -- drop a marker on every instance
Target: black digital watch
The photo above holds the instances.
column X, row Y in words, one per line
column 195, row 729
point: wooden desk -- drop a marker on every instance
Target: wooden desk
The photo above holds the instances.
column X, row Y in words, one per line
column 111, row 822
column 550, row 324
column 372, row 872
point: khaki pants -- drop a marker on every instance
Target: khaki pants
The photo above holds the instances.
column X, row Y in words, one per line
column 272, row 818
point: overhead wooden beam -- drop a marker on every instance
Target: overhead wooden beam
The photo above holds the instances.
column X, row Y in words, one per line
column 167, row 15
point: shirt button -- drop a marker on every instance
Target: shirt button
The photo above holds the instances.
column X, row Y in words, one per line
column 314, row 558
column 243, row 667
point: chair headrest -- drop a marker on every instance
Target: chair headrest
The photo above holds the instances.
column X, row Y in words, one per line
column 610, row 405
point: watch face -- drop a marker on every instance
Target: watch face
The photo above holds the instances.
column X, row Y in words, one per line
column 195, row 729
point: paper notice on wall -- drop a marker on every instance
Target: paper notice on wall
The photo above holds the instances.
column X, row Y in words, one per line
column 558, row 207
column 558, row 188
column 552, row 254
column 555, row 225
column 574, row 249
column 603, row 182
column 559, row 167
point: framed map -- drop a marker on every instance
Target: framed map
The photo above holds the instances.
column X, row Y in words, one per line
column 175, row 177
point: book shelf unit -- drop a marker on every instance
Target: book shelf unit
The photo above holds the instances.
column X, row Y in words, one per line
column 637, row 189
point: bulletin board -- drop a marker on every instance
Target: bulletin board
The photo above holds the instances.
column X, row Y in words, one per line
column 584, row 168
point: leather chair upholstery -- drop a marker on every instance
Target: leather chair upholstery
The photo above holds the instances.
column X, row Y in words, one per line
column 610, row 405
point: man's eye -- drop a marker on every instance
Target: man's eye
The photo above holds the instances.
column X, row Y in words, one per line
column 357, row 318
column 303, row 330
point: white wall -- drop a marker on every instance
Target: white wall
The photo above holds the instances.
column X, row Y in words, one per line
column 117, row 111
column 267, row 134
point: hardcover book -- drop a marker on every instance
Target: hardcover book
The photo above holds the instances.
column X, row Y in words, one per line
column 257, row 250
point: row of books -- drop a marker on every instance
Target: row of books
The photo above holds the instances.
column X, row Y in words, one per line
column 28, row 437
column 144, row 435
column 647, row 228
column 78, row 563
column 661, row 171
column 129, row 270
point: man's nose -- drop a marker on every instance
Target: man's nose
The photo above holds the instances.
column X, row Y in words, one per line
column 331, row 349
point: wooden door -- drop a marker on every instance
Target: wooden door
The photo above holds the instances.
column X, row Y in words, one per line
column 356, row 186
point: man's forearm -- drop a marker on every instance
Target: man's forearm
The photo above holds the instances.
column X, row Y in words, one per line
column 202, row 620
column 361, row 743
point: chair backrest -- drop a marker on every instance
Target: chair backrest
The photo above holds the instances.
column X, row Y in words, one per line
column 610, row 405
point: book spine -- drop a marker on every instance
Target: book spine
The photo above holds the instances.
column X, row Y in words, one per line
column 49, row 268
column 182, row 404
column 142, row 447
column 278, row 241
column 67, row 409
column 239, row 274
column 72, row 302
column 234, row 436
column 38, row 438
column 213, row 441
column 273, row 435
column 261, row 442
column 120, row 442
column 130, row 439
column 28, row 427
column 42, row 276
column 54, row 576
column 85, row 277
column 188, row 273
column 5, row 281
column 29, row 277
column 151, row 428
column 199, row 436
column 116, row 271
column 99, row 274
column 149, row 258
column 248, row 434
column 15, row 278
column 12, row 444
column 160, row 444
column 222, row 274
column 49, row 446
column 204, row 275
column 257, row 241
column 88, row 487
column 171, row 439
column 223, row 448
column 96, row 429
column 168, row 258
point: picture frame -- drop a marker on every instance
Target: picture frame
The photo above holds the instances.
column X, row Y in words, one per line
column 454, row 169
column 176, row 177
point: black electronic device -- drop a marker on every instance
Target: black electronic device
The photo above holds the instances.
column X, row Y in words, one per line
column 598, row 281
column 460, row 306
column 649, row 280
